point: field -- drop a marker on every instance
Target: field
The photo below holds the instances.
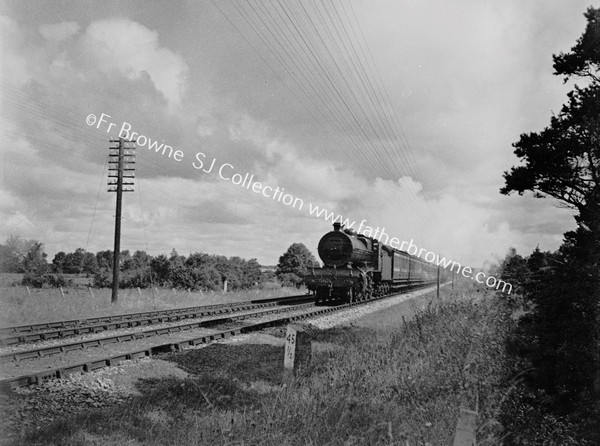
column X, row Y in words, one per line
column 22, row 306
column 401, row 383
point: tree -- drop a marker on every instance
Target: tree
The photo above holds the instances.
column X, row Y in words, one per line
column 34, row 261
column 537, row 260
column 160, row 267
column 35, row 265
column 201, row 271
column 124, row 259
column 584, row 58
column 13, row 252
column 296, row 261
column 139, row 260
column 104, row 260
column 73, row 263
column 90, row 264
column 514, row 269
column 58, row 263
column 79, row 261
column 563, row 161
column 251, row 273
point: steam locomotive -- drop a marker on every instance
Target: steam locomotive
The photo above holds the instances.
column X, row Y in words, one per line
column 357, row 267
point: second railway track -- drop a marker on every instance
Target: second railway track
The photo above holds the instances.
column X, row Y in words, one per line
column 32, row 367
column 40, row 352
column 64, row 329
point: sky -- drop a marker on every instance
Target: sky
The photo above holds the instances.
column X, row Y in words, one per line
column 400, row 114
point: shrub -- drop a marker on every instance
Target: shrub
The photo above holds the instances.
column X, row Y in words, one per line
column 58, row 280
column 290, row 280
column 33, row 280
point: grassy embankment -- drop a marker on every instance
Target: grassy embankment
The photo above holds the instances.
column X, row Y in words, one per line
column 398, row 384
column 20, row 306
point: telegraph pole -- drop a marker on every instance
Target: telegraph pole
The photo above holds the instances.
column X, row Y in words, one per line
column 121, row 157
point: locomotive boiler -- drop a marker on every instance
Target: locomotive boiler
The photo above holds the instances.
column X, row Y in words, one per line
column 357, row 267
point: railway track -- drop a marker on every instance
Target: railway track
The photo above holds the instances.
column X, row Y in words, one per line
column 20, row 355
column 198, row 334
column 64, row 329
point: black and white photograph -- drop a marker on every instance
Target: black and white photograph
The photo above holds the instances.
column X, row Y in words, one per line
column 300, row 222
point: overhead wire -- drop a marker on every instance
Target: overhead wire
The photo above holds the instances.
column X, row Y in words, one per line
column 318, row 93
column 335, row 82
column 87, row 242
column 318, row 65
column 311, row 48
column 31, row 114
column 378, row 133
column 370, row 133
column 377, row 98
column 323, row 56
column 383, row 91
column 306, row 84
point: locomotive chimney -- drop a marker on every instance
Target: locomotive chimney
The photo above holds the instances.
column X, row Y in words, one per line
column 337, row 226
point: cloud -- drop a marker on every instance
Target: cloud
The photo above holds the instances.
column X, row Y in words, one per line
column 466, row 220
column 14, row 69
column 59, row 31
column 132, row 50
column 458, row 74
column 455, row 223
column 289, row 164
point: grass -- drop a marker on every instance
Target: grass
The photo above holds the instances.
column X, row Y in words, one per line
column 22, row 306
column 399, row 384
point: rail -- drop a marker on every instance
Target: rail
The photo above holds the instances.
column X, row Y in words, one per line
column 60, row 329
column 89, row 366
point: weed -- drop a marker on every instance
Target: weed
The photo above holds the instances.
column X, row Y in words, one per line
column 398, row 385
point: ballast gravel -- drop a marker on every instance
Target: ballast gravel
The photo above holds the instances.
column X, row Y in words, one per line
column 35, row 406
column 350, row 314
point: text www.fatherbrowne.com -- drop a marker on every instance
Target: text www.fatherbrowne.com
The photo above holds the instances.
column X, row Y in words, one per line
column 226, row 172
column 412, row 249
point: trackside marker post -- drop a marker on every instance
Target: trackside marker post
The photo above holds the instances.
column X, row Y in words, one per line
column 297, row 351
column 465, row 428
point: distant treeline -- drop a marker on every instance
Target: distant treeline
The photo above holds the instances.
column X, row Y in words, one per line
column 197, row 271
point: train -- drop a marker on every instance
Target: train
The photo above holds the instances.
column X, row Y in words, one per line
column 357, row 267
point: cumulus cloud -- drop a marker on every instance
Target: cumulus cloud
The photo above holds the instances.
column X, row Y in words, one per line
column 131, row 49
column 289, row 164
column 453, row 72
column 454, row 224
